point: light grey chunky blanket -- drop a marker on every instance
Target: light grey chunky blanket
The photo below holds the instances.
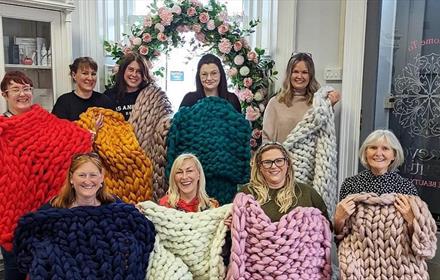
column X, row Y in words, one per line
column 313, row 146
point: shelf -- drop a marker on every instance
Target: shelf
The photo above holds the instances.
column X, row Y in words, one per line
column 24, row 66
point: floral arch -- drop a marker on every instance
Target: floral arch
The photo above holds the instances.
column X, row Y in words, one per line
column 250, row 72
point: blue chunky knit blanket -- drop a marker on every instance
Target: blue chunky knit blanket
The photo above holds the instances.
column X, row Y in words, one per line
column 111, row 241
column 219, row 136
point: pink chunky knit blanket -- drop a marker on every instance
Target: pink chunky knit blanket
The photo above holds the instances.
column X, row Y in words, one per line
column 376, row 244
column 296, row 247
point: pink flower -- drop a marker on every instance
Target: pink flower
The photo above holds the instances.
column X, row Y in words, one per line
column 224, row 46
column 232, row 72
column 204, row 17
column 253, row 142
column 252, row 56
column 210, row 25
column 136, row 41
column 201, row 37
column 115, row 69
column 127, row 50
column 245, row 43
column 161, row 37
column 191, row 11
column 252, row 113
column 238, row 60
column 148, row 21
column 222, row 16
column 237, row 46
column 196, row 28
column 166, row 16
column 159, row 27
column 182, row 28
column 196, row 3
column 222, row 29
column 146, row 37
column 176, row 9
column 256, row 133
column 143, row 50
column 245, row 95
column 247, row 82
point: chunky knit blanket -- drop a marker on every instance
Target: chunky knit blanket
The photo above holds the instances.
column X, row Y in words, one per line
column 375, row 243
column 219, row 136
column 35, row 152
column 188, row 245
column 296, row 247
column 112, row 241
column 129, row 170
column 313, row 146
column 151, row 120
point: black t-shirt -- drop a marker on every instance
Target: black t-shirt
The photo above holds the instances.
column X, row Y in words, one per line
column 70, row 106
column 124, row 104
column 191, row 98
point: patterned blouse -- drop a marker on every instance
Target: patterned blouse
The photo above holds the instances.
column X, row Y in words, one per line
column 366, row 181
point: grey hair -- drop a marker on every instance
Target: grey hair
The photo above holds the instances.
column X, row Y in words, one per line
column 391, row 140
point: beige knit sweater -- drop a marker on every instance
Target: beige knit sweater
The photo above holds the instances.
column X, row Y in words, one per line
column 375, row 243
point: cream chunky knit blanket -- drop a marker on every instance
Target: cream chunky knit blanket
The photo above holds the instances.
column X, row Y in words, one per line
column 296, row 247
column 188, row 245
column 375, row 243
column 313, row 146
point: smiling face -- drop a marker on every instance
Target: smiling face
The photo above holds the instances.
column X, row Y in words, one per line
column 86, row 180
column 273, row 168
column 300, row 77
column 19, row 97
column 133, row 76
column 210, row 77
column 379, row 156
column 187, row 178
column 85, row 79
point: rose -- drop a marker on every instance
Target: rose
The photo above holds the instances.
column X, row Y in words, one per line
column 159, row 27
column 245, row 95
column 224, row 46
column 232, row 72
column 148, row 21
column 210, row 25
column 256, row 133
column 191, row 11
column 146, row 37
column 204, row 17
column 115, row 69
column 182, row 28
column 143, row 50
column 196, row 28
column 252, row 56
column 127, row 50
column 253, row 142
column 252, row 113
column 222, row 29
column 247, row 82
column 161, row 37
column 176, row 9
column 201, row 37
column 196, row 3
column 136, row 41
column 222, row 16
column 258, row 96
column 237, row 46
column 245, row 43
column 262, row 107
column 244, row 71
column 166, row 16
column 238, row 60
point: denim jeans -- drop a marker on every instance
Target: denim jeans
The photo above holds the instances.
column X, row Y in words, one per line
column 11, row 268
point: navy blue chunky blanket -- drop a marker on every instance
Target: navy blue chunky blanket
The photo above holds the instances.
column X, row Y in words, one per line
column 112, row 241
column 219, row 136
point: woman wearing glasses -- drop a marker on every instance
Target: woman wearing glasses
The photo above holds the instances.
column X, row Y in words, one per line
column 285, row 110
column 210, row 81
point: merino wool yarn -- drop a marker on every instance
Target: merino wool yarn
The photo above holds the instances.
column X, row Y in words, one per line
column 296, row 247
column 188, row 245
column 112, row 241
column 35, row 152
column 312, row 144
column 129, row 170
column 375, row 242
column 219, row 136
column 151, row 120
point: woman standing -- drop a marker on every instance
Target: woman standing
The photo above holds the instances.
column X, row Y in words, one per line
column 71, row 105
column 210, row 81
column 131, row 78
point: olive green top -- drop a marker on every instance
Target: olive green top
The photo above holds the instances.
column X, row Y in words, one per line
column 307, row 197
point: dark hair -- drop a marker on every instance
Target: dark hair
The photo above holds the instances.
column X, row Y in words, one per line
column 223, row 86
column 16, row 76
column 81, row 62
column 121, row 85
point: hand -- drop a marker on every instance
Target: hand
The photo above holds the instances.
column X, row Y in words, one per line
column 99, row 121
column 228, row 221
column 345, row 209
column 334, row 97
column 403, row 205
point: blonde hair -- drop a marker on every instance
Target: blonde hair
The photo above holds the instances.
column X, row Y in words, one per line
column 286, row 197
column 391, row 139
column 173, row 190
column 285, row 95
column 67, row 193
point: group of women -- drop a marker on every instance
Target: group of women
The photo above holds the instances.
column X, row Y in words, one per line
column 272, row 183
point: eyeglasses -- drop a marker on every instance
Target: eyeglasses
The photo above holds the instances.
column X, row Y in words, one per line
column 279, row 162
column 17, row 90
